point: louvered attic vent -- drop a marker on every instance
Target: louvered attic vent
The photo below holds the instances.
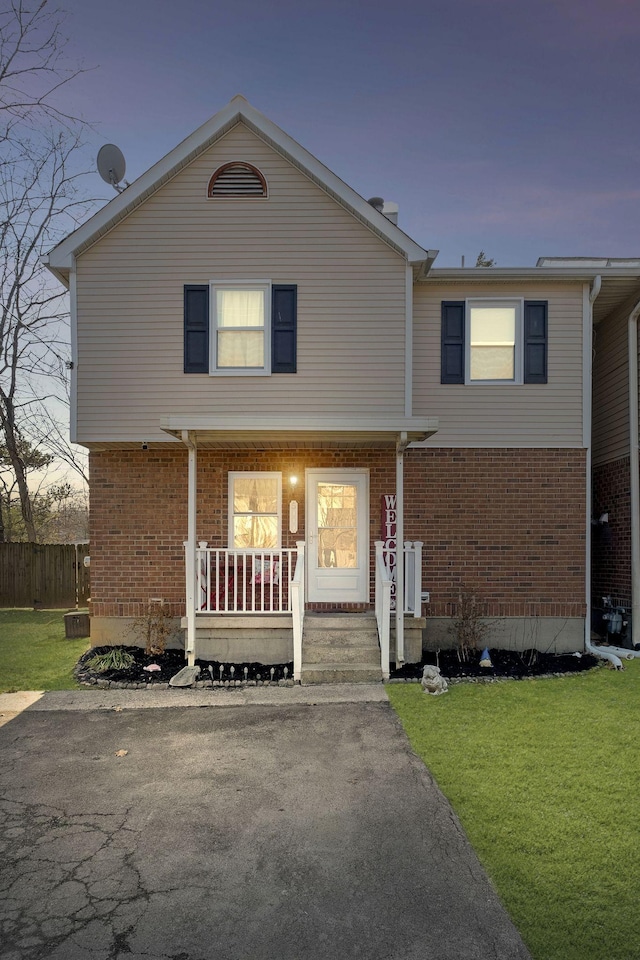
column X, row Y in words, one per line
column 237, row 180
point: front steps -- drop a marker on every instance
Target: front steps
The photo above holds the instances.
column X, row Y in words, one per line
column 340, row 648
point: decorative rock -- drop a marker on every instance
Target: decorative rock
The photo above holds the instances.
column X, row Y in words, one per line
column 433, row 682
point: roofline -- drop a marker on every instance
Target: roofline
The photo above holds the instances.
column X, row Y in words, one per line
column 527, row 273
column 238, row 109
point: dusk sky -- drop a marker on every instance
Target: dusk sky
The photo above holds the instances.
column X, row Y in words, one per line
column 495, row 124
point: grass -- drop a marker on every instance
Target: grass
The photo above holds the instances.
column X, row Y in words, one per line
column 34, row 654
column 543, row 775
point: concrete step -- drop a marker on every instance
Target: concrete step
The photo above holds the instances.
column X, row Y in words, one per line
column 353, row 622
column 332, row 653
column 340, row 630
column 340, row 673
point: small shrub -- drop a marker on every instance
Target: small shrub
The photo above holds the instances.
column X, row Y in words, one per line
column 154, row 627
column 116, row 659
column 470, row 626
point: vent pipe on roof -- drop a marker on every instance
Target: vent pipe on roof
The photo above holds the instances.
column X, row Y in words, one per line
column 386, row 208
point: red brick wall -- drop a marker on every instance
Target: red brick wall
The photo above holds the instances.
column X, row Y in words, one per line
column 506, row 523
column 611, row 544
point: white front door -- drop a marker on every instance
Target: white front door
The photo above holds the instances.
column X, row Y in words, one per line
column 337, row 534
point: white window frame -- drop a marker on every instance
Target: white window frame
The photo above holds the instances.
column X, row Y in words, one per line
column 214, row 369
column 518, row 366
column 273, row 474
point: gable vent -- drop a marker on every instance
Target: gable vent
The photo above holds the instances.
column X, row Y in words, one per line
column 237, row 180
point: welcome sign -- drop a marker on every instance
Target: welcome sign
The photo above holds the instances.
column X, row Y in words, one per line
column 388, row 537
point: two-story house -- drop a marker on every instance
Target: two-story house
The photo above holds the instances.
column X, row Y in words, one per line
column 276, row 385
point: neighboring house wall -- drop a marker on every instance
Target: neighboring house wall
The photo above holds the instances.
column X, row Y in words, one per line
column 611, row 389
column 611, row 553
column 351, row 302
column 504, row 415
column 611, row 542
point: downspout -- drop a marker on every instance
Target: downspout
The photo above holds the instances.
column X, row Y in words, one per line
column 192, row 486
column 587, row 419
column 401, row 446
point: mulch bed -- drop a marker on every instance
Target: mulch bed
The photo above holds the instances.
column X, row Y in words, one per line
column 505, row 664
column 212, row 672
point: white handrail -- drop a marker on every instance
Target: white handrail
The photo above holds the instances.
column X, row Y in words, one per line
column 297, row 603
column 383, row 607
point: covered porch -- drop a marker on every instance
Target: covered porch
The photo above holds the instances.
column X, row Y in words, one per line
column 327, row 559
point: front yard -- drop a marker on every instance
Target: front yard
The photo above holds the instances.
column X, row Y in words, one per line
column 34, row 654
column 543, row 775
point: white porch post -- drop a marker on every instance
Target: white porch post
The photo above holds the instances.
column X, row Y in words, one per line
column 401, row 445
column 192, row 488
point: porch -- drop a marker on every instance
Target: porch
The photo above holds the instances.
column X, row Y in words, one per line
column 249, row 597
column 267, row 580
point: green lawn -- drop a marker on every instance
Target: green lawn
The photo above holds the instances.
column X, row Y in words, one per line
column 544, row 777
column 34, row 654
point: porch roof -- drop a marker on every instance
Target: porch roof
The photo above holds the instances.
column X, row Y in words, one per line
column 278, row 432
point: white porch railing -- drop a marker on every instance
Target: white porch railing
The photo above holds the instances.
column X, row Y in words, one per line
column 297, row 604
column 385, row 578
column 413, row 577
column 239, row 581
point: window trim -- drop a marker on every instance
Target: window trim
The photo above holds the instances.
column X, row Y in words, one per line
column 231, row 476
column 518, row 370
column 214, row 369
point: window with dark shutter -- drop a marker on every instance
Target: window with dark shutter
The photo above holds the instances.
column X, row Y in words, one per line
column 283, row 328
column 196, row 328
column 452, row 341
column 535, row 341
column 237, row 180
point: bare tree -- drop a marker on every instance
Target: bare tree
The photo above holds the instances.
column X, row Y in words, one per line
column 33, row 67
column 39, row 190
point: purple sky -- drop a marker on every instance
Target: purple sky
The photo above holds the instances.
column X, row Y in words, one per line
column 495, row 124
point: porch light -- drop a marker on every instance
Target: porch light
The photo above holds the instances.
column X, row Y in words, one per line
column 293, row 481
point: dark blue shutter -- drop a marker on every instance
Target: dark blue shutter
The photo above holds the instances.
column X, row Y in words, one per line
column 452, row 342
column 196, row 328
column 535, row 341
column 284, row 308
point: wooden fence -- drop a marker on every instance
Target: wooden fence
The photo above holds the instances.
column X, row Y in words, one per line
column 43, row 575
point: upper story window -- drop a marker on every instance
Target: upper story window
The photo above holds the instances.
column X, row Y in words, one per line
column 237, row 179
column 493, row 349
column 494, row 341
column 240, row 327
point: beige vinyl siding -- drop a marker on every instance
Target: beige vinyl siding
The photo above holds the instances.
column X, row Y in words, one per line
column 611, row 388
column 527, row 415
column 351, row 302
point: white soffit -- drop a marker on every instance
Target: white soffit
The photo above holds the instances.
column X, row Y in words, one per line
column 238, row 109
column 274, row 432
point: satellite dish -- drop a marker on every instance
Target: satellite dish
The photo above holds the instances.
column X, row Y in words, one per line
column 111, row 165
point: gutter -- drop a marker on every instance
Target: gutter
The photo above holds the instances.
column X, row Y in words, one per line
column 605, row 653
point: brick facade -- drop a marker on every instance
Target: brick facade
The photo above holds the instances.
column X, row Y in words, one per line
column 611, row 544
column 506, row 523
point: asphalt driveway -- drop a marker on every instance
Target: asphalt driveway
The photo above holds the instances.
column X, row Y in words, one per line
column 235, row 832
